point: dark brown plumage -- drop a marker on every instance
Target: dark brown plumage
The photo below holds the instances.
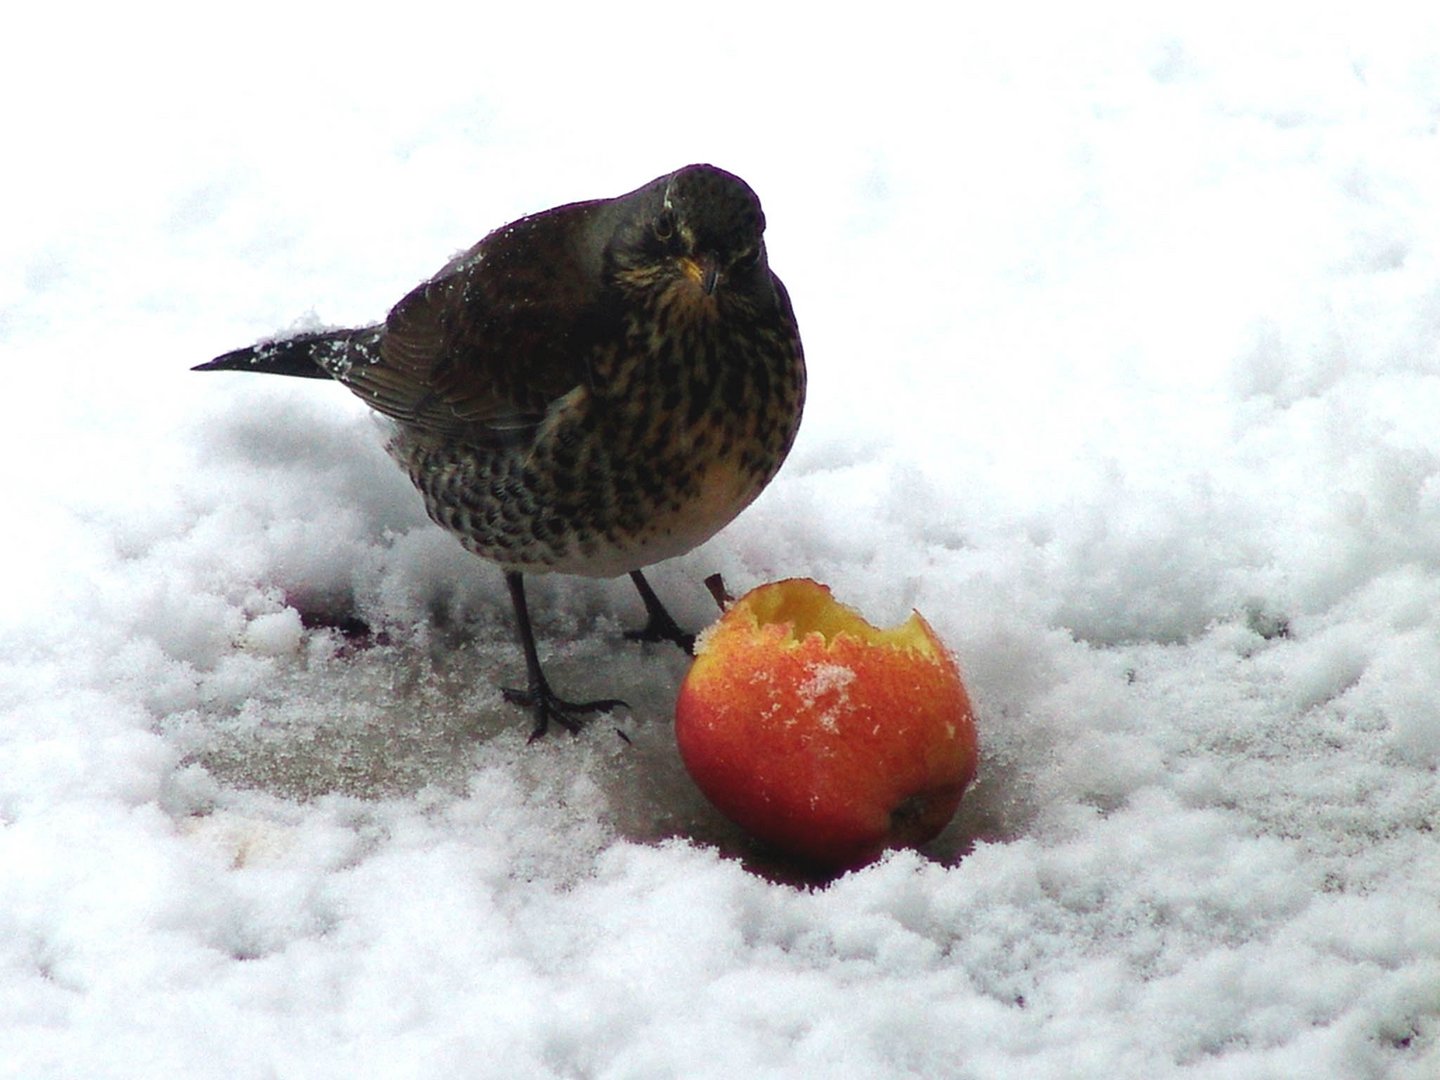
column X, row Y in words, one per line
column 587, row 390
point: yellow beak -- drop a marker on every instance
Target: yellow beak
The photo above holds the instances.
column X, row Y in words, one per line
column 703, row 270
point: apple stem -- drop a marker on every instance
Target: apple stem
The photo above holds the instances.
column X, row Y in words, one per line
column 716, row 584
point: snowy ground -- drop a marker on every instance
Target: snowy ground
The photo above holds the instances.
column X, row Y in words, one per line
column 1124, row 338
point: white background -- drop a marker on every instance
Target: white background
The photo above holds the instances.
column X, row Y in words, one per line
column 1124, row 341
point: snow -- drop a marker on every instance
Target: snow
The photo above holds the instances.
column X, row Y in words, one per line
column 1122, row 329
column 827, row 689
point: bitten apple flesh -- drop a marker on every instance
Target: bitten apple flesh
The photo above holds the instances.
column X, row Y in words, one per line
column 825, row 736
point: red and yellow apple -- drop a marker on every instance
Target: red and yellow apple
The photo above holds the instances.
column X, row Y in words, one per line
column 825, row 736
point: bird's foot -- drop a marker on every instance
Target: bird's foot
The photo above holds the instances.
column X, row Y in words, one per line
column 663, row 630
column 659, row 625
column 547, row 707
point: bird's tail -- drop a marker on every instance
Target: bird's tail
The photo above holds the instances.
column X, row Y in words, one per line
column 324, row 354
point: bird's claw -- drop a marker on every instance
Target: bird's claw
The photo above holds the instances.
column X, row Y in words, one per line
column 660, row 625
column 547, row 706
column 657, row 630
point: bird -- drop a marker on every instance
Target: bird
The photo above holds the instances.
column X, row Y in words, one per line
column 588, row 390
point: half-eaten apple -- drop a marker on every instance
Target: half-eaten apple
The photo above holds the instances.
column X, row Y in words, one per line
column 825, row 736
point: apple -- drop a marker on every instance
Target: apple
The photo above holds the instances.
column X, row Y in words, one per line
column 825, row 736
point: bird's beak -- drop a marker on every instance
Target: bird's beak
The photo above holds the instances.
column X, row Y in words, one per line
column 704, row 270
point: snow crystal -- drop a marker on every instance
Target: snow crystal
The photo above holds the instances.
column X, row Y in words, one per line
column 826, row 691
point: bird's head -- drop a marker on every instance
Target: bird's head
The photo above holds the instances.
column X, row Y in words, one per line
column 698, row 230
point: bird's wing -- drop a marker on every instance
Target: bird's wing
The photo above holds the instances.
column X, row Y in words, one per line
column 502, row 331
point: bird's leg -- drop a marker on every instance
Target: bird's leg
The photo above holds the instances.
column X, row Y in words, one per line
column 538, row 696
column 659, row 626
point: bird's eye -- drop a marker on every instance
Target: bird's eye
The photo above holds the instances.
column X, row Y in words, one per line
column 665, row 224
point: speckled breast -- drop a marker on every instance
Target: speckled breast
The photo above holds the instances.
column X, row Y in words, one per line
column 616, row 478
